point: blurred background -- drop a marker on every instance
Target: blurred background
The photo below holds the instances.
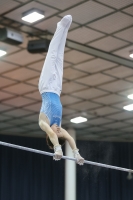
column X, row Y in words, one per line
column 97, row 86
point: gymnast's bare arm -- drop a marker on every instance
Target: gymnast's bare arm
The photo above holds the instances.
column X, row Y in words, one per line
column 44, row 125
column 73, row 146
column 70, row 139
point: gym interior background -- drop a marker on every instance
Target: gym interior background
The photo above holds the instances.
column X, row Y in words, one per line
column 97, row 85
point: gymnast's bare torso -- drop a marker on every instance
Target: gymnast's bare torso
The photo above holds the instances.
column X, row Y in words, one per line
column 50, row 86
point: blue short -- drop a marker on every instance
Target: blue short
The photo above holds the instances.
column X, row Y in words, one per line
column 52, row 107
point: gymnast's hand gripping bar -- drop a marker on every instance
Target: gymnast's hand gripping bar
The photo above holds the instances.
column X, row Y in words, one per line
column 64, row 157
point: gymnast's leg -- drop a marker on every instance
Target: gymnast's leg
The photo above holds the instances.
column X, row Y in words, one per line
column 47, row 80
column 60, row 56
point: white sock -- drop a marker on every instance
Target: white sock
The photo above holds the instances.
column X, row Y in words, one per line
column 66, row 21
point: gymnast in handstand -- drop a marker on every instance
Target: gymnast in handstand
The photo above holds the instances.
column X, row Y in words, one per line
column 50, row 86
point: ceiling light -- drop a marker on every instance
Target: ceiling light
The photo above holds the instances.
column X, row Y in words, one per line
column 2, row 53
column 128, row 107
column 77, row 120
column 131, row 54
column 33, row 15
column 130, row 96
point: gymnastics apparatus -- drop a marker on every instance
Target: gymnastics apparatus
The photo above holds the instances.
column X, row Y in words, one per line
column 64, row 157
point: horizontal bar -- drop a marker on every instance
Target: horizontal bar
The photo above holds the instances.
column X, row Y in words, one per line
column 64, row 157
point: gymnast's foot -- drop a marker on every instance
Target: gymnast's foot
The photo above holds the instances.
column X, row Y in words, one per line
column 65, row 21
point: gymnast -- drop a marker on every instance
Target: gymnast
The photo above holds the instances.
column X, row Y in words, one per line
column 50, row 86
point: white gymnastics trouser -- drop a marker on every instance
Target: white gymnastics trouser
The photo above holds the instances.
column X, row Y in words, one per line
column 52, row 71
